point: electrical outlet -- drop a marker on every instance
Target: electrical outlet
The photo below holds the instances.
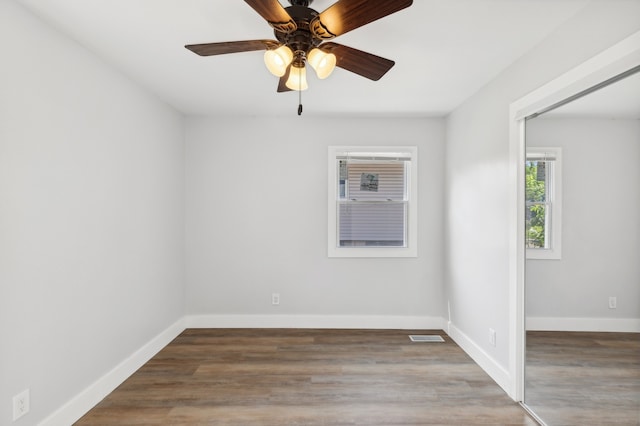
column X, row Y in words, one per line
column 492, row 337
column 613, row 302
column 20, row 404
column 275, row 298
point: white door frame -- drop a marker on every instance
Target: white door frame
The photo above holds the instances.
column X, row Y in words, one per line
column 612, row 62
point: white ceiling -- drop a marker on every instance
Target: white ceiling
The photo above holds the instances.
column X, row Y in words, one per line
column 445, row 50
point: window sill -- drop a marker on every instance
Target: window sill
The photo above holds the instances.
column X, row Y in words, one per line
column 543, row 254
column 373, row 252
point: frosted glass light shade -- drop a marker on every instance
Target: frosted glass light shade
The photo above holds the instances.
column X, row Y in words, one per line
column 278, row 60
column 323, row 63
column 297, row 78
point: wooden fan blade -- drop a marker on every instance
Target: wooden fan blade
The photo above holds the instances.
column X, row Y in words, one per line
column 347, row 15
column 209, row 49
column 273, row 12
column 282, row 87
column 362, row 63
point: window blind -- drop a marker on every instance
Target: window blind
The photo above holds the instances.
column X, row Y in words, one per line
column 373, row 209
column 541, row 156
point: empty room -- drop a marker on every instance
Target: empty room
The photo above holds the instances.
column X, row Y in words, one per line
column 328, row 212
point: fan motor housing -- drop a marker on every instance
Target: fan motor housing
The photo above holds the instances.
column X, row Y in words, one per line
column 300, row 40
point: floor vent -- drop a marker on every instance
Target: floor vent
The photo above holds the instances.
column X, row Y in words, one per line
column 426, row 338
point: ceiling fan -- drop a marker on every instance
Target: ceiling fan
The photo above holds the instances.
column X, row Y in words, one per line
column 302, row 35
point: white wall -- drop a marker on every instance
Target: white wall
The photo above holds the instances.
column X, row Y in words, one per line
column 91, row 216
column 601, row 232
column 478, row 245
column 257, row 224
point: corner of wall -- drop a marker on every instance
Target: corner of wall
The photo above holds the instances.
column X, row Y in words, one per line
column 483, row 359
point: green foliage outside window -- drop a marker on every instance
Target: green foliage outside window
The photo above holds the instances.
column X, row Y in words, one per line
column 535, row 221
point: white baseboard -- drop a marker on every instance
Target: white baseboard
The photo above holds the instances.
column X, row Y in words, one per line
column 499, row 374
column 616, row 325
column 315, row 321
column 92, row 395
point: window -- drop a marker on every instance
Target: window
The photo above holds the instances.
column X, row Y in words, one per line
column 543, row 203
column 372, row 201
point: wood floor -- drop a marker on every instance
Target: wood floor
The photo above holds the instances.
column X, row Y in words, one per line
column 307, row 377
column 584, row 378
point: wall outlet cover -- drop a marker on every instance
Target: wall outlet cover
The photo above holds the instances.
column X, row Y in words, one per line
column 492, row 337
column 20, row 404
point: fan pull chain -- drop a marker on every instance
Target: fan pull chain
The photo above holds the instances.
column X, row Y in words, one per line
column 300, row 91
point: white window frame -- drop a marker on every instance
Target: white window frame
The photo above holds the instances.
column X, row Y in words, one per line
column 411, row 249
column 553, row 226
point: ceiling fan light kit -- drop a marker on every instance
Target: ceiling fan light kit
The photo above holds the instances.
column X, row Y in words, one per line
column 301, row 37
column 297, row 78
column 323, row 63
column 277, row 60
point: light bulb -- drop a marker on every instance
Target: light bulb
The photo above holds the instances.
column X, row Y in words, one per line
column 323, row 63
column 278, row 60
column 297, row 78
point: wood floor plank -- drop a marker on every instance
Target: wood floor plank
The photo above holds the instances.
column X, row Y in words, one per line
column 307, row 377
column 576, row 378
